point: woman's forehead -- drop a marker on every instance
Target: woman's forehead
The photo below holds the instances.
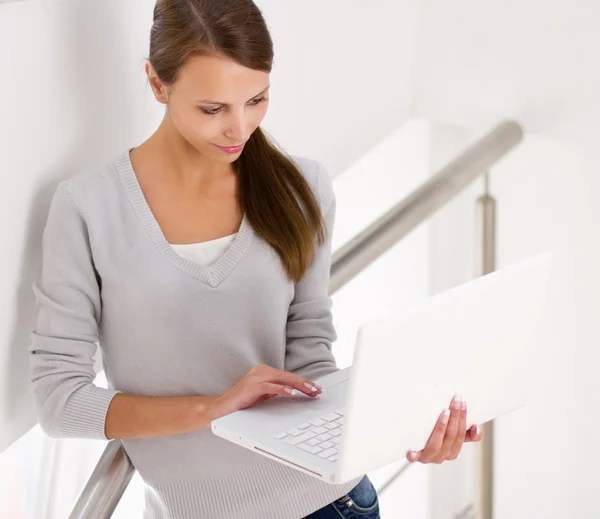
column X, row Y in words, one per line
column 220, row 80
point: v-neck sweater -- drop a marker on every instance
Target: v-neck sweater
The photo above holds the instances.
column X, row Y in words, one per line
column 169, row 326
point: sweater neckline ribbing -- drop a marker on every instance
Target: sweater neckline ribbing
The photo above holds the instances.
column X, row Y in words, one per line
column 212, row 274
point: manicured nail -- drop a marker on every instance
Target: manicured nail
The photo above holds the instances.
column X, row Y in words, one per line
column 477, row 430
column 310, row 387
column 412, row 455
column 464, row 405
column 446, row 416
column 457, row 400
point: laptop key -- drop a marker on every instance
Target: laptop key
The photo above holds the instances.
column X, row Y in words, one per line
column 309, row 448
column 317, row 422
column 299, row 439
column 303, row 426
column 330, row 417
column 327, row 453
column 280, row 436
column 294, row 431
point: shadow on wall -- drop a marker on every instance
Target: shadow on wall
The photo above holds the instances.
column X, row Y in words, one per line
column 94, row 61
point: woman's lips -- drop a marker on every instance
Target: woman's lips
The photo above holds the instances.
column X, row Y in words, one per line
column 234, row 149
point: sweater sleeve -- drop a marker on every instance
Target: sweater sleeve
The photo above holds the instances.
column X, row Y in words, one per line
column 63, row 343
column 310, row 331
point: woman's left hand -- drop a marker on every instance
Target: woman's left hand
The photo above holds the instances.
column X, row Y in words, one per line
column 448, row 436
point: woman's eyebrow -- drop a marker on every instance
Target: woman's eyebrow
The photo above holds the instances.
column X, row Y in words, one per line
column 219, row 103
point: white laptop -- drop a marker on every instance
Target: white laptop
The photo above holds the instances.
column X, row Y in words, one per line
column 476, row 339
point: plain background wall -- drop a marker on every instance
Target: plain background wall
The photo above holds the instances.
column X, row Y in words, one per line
column 536, row 61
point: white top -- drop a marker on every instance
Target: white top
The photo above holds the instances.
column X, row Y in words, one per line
column 205, row 252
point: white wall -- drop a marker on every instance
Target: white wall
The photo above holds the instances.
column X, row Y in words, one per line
column 74, row 93
column 536, row 61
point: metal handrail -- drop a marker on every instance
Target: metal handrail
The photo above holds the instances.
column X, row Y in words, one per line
column 389, row 229
column 110, row 478
column 107, row 484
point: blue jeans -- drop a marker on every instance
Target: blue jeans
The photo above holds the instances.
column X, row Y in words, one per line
column 361, row 502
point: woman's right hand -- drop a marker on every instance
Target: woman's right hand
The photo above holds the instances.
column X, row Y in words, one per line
column 261, row 383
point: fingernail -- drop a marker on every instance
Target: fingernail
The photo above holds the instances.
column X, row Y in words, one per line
column 310, row 387
column 446, row 416
column 464, row 405
column 412, row 455
column 290, row 391
column 457, row 400
column 477, row 430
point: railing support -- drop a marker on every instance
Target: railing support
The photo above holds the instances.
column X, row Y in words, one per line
column 485, row 262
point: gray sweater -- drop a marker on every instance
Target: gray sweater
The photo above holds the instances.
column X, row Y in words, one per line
column 168, row 326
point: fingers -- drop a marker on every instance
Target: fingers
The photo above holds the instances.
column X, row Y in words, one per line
column 452, row 432
column 302, row 384
column 434, row 444
column 448, row 436
column 269, row 389
column 413, row 456
column 306, row 386
column 474, row 434
column 294, row 381
column 460, row 433
column 294, row 389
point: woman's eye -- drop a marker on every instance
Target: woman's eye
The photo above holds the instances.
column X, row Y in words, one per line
column 211, row 112
column 215, row 111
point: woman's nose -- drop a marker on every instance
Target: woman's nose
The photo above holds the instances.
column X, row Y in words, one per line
column 238, row 130
column 238, row 136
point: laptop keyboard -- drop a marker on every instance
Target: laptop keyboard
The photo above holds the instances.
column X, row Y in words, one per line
column 320, row 436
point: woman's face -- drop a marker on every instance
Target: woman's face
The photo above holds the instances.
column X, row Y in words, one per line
column 216, row 102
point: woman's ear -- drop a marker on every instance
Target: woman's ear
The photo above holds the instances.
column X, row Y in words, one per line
column 160, row 91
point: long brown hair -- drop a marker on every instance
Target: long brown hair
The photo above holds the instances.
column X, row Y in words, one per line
column 269, row 180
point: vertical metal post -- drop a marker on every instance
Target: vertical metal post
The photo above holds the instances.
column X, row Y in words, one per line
column 485, row 262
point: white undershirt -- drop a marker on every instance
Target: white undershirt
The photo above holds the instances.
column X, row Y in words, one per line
column 205, row 252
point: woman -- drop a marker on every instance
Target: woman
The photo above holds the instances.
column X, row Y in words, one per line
column 195, row 266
